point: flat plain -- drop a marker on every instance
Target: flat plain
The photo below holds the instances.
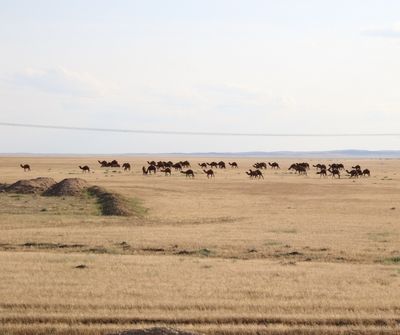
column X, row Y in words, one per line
column 288, row 254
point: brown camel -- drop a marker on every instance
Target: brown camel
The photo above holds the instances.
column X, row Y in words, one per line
column 322, row 172
column 167, row 171
column 185, row 164
column 203, row 165
column 103, row 164
column 366, row 172
column 209, row 173
column 233, row 165
column 26, row 167
column 144, row 170
column 261, row 165
column 255, row 174
column 189, row 173
column 299, row 168
column 126, row 166
column 84, row 168
column 221, row 165
column 177, row 166
column 334, row 172
column 213, row 164
column 274, row 165
column 151, row 168
column 352, row 173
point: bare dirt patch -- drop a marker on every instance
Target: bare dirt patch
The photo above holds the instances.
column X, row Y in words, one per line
column 31, row 186
column 67, row 187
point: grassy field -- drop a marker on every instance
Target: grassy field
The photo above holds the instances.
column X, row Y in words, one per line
column 288, row 254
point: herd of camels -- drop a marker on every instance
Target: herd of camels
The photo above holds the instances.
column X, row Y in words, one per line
column 335, row 170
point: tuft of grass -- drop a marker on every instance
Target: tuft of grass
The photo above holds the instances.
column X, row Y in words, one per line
column 392, row 260
column 115, row 204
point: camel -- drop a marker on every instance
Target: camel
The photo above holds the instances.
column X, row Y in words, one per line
column 233, row 165
column 357, row 167
column 274, row 165
column 185, row 164
column 151, row 163
column 144, row 170
column 261, row 165
column 352, row 173
column 213, row 164
column 26, row 167
column 203, row 165
column 103, row 163
column 84, row 168
column 209, row 173
column 126, row 166
column 320, row 166
column 255, row 174
column 221, row 165
column 177, row 166
column 322, row 172
column 167, row 171
column 189, row 173
column 338, row 166
column 366, row 172
column 334, row 172
column 152, row 168
column 299, row 168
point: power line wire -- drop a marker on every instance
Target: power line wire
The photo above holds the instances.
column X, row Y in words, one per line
column 194, row 133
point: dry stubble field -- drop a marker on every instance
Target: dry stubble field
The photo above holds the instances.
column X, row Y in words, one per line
column 286, row 255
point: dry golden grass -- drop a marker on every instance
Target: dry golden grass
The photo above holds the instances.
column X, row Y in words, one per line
column 285, row 255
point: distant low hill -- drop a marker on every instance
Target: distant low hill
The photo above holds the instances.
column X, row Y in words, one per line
column 310, row 154
column 348, row 153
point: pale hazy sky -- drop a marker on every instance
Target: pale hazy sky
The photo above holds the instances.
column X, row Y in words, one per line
column 218, row 65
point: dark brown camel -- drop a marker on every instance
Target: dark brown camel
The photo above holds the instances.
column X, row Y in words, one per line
column 261, row 165
column 334, row 172
column 84, row 168
column 126, row 166
column 213, row 164
column 366, row 172
column 167, row 171
column 209, row 173
column 322, row 172
column 144, row 170
column 320, row 166
column 103, row 163
column 177, row 166
column 255, row 174
column 203, row 165
column 233, row 165
column 185, row 164
column 221, row 165
column 26, row 167
column 274, row 165
column 299, row 168
column 189, row 173
column 151, row 163
column 352, row 173
column 152, row 168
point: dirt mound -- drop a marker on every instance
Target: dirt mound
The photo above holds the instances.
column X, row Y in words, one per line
column 111, row 203
column 38, row 185
column 67, row 187
column 154, row 331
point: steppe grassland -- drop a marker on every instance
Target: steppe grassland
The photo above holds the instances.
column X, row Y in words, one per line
column 287, row 254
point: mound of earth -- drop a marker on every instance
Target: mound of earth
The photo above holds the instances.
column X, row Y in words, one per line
column 111, row 203
column 154, row 331
column 67, row 187
column 38, row 185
